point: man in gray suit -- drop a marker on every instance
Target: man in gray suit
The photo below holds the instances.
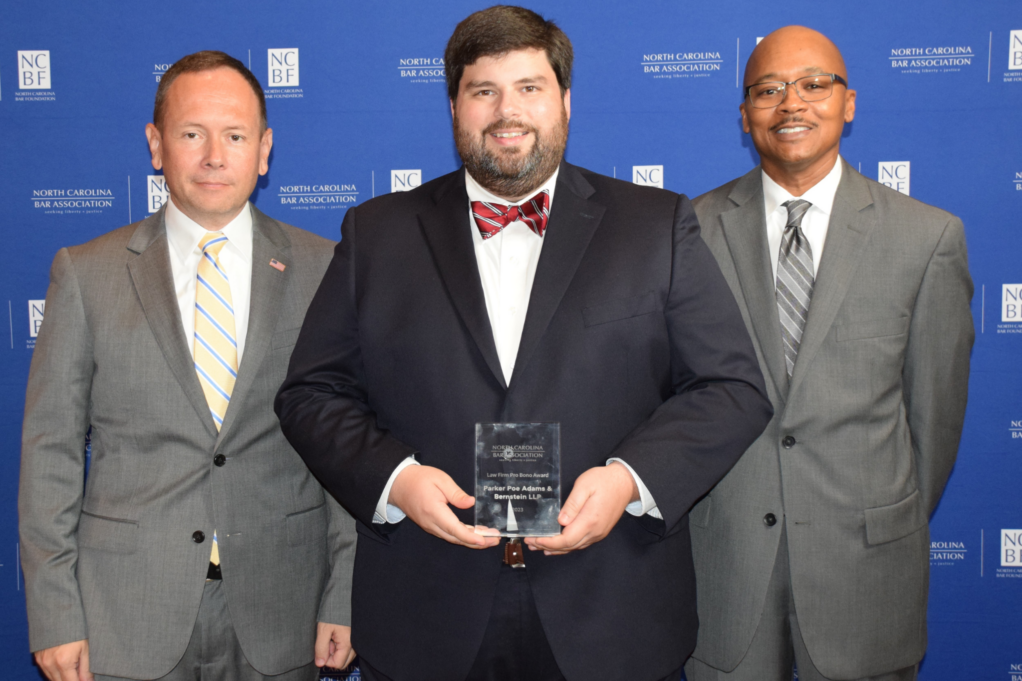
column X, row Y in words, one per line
column 198, row 540
column 814, row 548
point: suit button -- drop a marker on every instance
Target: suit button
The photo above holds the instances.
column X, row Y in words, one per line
column 198, row 536
column 788, row 442
column 219, row 459
column 770, row 519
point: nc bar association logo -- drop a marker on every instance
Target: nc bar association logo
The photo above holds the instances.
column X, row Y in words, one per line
column 1015, row 51
column 36, row 310
column 35, row 77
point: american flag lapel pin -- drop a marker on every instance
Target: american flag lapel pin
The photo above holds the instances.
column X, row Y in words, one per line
column 277, row 265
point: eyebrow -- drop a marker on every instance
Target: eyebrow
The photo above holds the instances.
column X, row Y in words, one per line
column 521, row 81
column 774, row 77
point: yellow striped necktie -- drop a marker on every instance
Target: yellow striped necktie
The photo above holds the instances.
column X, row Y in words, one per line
column 216, row 344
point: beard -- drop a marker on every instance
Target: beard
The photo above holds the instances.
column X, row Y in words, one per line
column 511, row 172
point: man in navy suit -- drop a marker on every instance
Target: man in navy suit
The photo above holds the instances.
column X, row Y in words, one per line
column 521, row 288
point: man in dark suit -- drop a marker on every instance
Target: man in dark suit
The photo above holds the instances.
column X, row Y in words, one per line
column 567, row 297
column 814, row 549
column 201, row 540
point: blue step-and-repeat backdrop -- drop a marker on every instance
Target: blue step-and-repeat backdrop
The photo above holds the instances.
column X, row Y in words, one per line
column 357, row 101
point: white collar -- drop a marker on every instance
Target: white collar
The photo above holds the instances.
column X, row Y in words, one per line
column 476, row 192
column 821, row 195
column 184, row 234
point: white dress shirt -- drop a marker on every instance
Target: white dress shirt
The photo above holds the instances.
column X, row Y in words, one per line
column 814, row 223
column 183, row 236
column 507, row 265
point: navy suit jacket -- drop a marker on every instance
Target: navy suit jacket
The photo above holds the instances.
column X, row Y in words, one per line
column 632, row 342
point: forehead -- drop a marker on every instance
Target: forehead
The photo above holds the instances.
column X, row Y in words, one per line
column 790, row 58
column 515, row 65
column 221, row 89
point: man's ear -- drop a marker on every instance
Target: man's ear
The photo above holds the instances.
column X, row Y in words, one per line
column 152, row 134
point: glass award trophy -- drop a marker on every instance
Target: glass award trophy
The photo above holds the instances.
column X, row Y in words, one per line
column 518, row 479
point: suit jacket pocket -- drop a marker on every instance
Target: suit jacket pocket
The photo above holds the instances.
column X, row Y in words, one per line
column 619, row 308
column 285, row 338
column 887, row 523
column 307, row 526
column 115, row 535
column 872, row 328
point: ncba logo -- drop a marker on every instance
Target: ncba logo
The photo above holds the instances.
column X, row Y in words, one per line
column 896, row 175
column 36, row 308
column 1015, row 51
column 931, row 59
column 158, row 194
column 1011, row 548
column 282, row 67
column 34, row 70
column 1018, row 182
column 649, row 176
column 403, row 180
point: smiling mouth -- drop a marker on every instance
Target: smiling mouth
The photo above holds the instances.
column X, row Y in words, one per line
column 509, row 135
column 793, row 128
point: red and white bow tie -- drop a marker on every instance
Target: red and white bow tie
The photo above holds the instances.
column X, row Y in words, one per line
column 490, row 218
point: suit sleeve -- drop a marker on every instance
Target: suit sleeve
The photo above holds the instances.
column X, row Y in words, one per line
column 936, row 371
column 719, row 404
column 335, row 605
column 323, row 405
column 53, row 462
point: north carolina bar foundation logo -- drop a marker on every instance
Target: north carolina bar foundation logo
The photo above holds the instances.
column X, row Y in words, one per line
column 684, row 64
column 35, row 77
column 156, row 188
column 1014, row 72
column 895, row 174
column 648, row 176
column 282, row 74
column 1011, row 554
column 1011, row 309
column 159, row 70
column 933, row 59
column 404, row 180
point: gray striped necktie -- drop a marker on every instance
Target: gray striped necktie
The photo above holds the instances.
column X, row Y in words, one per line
column 794, row 280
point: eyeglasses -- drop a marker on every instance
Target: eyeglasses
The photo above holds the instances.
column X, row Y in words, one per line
column 810, row 88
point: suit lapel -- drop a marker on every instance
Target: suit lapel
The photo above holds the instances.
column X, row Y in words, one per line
column 269, row 242
column 446, row 227
column 744, row 228
column 154, row 283
column 572, row 223
column 846, row 238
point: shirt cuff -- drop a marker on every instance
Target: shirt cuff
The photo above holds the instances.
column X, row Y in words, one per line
column 645, row 505
column 389, row 513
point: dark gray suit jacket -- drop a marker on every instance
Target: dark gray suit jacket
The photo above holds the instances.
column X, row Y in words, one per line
column 874, row 408
column 118, row 565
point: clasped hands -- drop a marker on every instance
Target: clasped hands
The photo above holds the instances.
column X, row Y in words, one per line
column 591, row 511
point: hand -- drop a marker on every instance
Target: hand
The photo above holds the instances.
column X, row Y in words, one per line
column 423, row 494
column 593, row 508
column 333, row 646
column 67, row 662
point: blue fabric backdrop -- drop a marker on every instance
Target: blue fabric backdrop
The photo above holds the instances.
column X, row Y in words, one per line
column 358, row 106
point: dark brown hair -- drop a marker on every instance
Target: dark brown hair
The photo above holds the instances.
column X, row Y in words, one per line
column 502, row 29
column 207, row 60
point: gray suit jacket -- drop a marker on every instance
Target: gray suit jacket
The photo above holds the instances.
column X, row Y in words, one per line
column 119, row 564
column 875, row 407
